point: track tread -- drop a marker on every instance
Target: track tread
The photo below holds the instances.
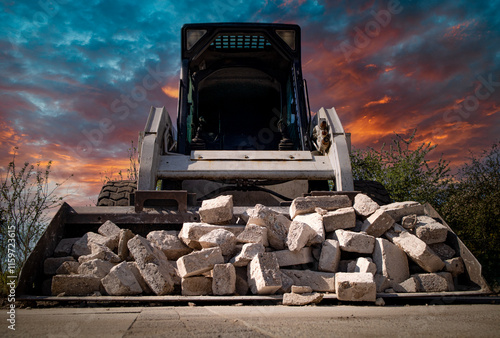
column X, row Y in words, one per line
column 116, row 193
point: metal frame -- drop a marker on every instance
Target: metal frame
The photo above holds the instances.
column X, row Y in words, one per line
column 223, row 165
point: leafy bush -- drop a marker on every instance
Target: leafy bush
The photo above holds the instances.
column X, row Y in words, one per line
column 473, row 209
column 404, row 170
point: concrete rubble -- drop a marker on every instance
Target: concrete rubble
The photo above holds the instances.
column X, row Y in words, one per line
column 217, row 210
column 223, row 279
column 344, row 218
column 306, row 205
column 330, row 256
column 321, row 245
column 264, row 276
column 416, row 249
column 120, row 281
column 299, row 234
column 96, row 267
column 315, row 222
column 355, row 287
column 169, row 243
column 221, row 238
column 364, row 205
column 277, row 225
column 296, row 299
column 247, row 253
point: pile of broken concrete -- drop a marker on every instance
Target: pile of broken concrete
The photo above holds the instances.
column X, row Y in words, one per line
column 326, row 244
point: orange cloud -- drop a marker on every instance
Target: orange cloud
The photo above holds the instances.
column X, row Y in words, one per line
column 171, row 91
column 384, row 100
column 458, row 31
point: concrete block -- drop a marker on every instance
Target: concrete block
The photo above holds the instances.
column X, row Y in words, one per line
column 110, row 230
column 217, row 210
column 408, row 222
column 264, row 277
column 96, row 267
column 134, row 268
column 355, row 287
column 398, row 210
column 198, row 262
column 306, row 205
column 355, row 241
column 415, row 248
column 143, row 252
column 377, row 223
column 219, row 238
column 455, row 266
column 299, row 235
column 315, row 221
column 75, row 285
column 154, row 267
column 68, row 268
column 123, row 238
column 430, row 231
column 344, row 218
column 390, row 260
column 364, row 205
column 253, row 234
column 408, row 285
column 82, row 246
column 50, row 265
column 362, row 265
column 295, row 299
column 101, row 252
column 196, row 286
column 120, row 281
column 286, row 284
column 224, row 279
column 191, row 232
column 287, row 257
column 301, row 289
column 443, row 250
column 318, row 281
column 276, row 223
column 330, row 256
column 382, row 282
column 434, row 282
column 158, row 276
column 63, row 248
column 174, row 273
column 169, row 243
column 247, row 253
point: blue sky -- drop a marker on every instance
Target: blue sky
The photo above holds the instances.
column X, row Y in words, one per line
column 74, row 73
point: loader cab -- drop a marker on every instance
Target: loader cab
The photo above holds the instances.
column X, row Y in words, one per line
column 241, row 88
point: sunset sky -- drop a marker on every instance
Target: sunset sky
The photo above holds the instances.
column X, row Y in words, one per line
column 384, row 65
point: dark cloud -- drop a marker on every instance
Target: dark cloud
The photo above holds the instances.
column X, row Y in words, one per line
column 73, row 67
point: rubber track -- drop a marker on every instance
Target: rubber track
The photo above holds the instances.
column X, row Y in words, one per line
column 116, row 193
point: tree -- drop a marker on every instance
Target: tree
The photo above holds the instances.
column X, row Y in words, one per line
column 404, row 170
column 25, row 199
column 473, row 209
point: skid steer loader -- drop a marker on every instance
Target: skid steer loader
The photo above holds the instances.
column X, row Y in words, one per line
column 244, row 128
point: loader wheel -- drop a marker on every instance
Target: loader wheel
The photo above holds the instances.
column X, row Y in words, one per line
column 116, row 193
column 375, row 190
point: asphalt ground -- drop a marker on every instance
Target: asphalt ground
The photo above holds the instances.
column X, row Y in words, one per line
column 474, row 320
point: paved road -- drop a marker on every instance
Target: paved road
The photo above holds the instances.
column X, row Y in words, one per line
column 260, row 321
